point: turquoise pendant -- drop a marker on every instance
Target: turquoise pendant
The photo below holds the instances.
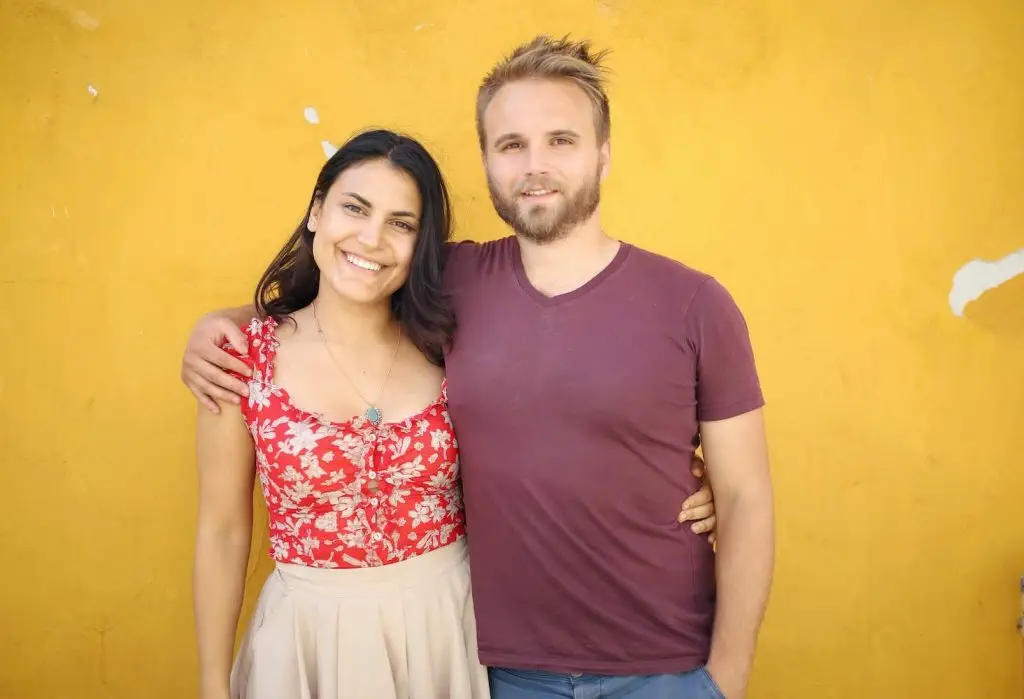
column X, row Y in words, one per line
column 373, row 415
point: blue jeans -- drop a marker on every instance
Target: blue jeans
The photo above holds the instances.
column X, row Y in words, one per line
column 509, row 683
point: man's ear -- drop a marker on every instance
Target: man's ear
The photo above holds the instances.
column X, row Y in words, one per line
column 605, row 158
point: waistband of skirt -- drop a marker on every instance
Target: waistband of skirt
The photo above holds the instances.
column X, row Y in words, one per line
column 410, row 572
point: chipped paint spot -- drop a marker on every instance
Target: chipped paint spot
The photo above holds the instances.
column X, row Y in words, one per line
column 93, row 91
column 311, row 116
column 329, row 150
column 425, row 25
column 978, row 276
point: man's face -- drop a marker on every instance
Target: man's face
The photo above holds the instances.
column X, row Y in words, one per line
column 544, row 163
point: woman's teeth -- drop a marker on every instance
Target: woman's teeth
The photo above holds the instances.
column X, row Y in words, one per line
column 360, row 262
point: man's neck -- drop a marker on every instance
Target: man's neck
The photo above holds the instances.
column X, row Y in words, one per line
column 568, row 263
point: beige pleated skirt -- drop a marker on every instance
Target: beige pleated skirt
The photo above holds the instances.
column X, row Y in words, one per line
column 400, row 631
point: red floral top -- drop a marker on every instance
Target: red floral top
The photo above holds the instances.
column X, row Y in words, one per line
column 349, row 494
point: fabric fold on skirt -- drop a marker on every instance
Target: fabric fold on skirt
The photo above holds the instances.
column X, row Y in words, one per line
column 400, row 631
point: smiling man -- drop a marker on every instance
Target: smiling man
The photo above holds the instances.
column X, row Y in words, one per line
column 583, row 373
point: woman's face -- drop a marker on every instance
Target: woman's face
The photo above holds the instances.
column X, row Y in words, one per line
column 365, row 230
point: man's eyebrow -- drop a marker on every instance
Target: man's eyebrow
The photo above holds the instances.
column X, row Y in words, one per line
column 506, row 137
column 564, row 132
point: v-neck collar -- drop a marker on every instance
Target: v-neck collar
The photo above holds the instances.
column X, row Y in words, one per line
column 543, row 299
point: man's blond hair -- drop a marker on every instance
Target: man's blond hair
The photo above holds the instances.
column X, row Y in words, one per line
column 550, row 59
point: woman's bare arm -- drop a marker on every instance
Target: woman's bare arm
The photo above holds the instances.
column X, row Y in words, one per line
column 226, row 465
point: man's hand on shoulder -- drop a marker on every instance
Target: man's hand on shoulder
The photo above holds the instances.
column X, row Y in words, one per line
column 205, row 366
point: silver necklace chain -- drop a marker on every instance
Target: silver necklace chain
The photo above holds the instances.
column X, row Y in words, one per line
column 373, row 412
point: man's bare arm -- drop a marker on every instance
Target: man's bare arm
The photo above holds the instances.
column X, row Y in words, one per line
column 736, row 454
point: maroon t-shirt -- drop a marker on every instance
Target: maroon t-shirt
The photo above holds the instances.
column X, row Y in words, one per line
column 577, row 416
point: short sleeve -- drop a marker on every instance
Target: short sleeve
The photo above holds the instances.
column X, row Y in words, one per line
column 460, row 261
column 727, row 380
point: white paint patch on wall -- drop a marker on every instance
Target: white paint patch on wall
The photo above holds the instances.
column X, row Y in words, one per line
column 93, row 91
column 311, row 116
column 329, row 149
column 978, row 276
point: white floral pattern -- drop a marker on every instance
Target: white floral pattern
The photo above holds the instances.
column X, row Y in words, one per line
column 349, row 494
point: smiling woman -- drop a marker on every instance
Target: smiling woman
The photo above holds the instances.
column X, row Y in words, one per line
column 346, row 424
column 385, row 236
column 364, row 249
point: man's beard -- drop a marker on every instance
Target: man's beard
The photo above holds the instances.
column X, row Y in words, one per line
column 546, row 227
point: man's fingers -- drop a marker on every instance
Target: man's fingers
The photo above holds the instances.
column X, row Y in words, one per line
column 225, row 396
column 214, row 392
column 196, row 388
column 218, row 377
column 207, row 403
column 200, row 380
column 228, row 362
column 234, row 335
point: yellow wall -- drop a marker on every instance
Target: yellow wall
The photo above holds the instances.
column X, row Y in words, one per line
column 868, row 148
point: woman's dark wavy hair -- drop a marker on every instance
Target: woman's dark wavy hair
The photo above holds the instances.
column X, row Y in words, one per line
column 292, row 279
